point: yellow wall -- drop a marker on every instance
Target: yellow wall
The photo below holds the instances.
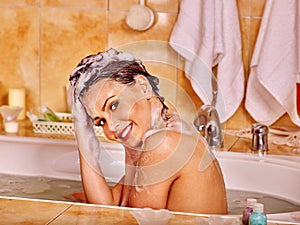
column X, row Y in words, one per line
column 41, row 41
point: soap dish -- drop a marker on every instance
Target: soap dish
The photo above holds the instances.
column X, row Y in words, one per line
column 149, row 216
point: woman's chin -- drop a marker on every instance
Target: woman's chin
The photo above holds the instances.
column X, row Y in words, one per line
column 133, row 143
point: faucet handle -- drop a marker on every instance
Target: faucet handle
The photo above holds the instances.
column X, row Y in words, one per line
column 208, row 124
column 259, row 137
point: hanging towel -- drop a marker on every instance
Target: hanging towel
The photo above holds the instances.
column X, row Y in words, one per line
column 271, row 89
column 207, row 34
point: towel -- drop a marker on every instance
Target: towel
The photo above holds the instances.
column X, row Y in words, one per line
column 207, row 34
column 271, row 89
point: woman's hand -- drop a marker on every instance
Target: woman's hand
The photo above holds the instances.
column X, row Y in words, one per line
column 87, row 141
column 175, row 122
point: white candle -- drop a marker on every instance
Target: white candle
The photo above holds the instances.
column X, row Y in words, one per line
column 16, row 97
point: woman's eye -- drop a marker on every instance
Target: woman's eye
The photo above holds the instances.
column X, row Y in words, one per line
column 114, row 106
column 100, row 122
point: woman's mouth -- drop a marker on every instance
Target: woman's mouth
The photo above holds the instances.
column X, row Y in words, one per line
column 125, row 133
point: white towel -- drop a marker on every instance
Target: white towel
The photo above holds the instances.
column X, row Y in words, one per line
column 271, row 89
column 206, row 34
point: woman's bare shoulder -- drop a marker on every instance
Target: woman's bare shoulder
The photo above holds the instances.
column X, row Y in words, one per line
column 166, row 142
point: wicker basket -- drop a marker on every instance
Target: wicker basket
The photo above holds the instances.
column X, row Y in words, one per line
column 64, row 127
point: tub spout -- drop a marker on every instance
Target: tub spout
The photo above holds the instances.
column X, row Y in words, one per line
column 208, row 124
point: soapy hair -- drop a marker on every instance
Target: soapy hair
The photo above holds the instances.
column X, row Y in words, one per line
column 121, row 67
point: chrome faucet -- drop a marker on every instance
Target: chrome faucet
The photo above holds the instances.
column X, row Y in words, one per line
column 207, row 120
column 259, row 137
column 208, row 124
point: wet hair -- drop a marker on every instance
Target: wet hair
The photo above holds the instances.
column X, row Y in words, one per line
column 118, row 66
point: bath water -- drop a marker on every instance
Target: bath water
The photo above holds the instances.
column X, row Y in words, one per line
column 237, row 200
column 61, row 190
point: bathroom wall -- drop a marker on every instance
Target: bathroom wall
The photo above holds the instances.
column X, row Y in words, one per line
column 41, row 41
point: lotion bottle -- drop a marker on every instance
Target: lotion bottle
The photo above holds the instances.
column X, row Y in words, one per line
column 248, row 210
column 258, row 217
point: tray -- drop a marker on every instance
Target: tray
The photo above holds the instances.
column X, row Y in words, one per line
column 64, row 127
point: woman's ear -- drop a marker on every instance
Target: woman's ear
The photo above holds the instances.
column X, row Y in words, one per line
column 144, row 84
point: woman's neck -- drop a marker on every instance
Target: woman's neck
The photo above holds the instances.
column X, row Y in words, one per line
column 158, row 119
column 132, row 156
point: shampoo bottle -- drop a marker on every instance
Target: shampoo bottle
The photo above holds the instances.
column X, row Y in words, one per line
column 258, row 217
column 248, row 210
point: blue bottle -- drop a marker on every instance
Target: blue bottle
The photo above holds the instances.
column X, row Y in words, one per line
column 258, row 217
column 248, row 210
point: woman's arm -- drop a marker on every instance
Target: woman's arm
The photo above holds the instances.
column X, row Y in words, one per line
column 96, row 188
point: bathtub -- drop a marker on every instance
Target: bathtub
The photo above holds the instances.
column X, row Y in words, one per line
column 278, row 176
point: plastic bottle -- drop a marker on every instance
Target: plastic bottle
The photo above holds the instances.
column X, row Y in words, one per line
column 248, row 210
column 258, row 217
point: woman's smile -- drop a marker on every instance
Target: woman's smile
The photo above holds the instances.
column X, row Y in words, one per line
column 125, row 133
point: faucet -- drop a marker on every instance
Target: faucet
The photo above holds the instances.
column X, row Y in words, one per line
column 260, row 140
column 207, row 122
column 259, row 137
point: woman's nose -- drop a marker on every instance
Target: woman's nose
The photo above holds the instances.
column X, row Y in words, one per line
column 113, row 124
column 111, row 127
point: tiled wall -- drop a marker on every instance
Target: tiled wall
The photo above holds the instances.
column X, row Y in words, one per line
column 41, row 41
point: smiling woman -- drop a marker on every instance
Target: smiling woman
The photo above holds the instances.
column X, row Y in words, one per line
column 167, row 163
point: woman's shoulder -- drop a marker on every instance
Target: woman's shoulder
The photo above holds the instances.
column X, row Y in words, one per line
column 165, row 153
column 163, row 143
column 176, row 129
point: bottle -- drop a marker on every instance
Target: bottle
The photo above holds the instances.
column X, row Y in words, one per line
column 248, row 210
column 258, row 217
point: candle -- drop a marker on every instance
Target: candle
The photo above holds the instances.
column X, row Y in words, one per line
column 16, row 97
column 11, row 126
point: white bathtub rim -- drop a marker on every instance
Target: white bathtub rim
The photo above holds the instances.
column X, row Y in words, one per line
column 279, row 160
column 283, row 160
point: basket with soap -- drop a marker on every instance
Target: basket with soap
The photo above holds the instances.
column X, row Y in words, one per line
column 46, row 121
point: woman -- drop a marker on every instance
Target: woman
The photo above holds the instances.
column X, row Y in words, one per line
column 167, row 163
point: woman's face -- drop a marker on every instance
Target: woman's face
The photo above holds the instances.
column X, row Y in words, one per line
column 123, row 111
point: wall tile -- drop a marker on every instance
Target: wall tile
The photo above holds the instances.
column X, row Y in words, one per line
column 96, row 4
column 120, row 33
column 151, row 51
column 122, row 5
column 21, row 2
column 156, row 5
column 258, row 7
column 41, row 44
column 167, row 79
column 67, row 37
column 284, row 121
column 164, row 5
column 245, row 24
column 244, row 7
column 239, row 120
column 188, row 102
column 19, row 46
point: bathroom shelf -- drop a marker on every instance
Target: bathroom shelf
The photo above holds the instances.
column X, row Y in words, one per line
column 65, row 127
